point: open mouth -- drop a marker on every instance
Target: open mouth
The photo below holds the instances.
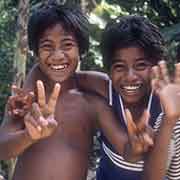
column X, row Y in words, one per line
column 59, row 67
column 132, row 88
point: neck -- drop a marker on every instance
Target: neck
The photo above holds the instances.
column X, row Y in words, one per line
column 66, row 85
column 138, row 108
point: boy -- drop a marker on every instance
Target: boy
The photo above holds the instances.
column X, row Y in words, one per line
column 53, row 139
column 130, row 46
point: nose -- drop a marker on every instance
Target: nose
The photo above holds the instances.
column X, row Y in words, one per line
column 131, row 74
column 57, row 55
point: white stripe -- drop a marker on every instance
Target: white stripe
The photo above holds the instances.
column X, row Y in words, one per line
column 110, row 92
column 120, row 162
column 150, row 101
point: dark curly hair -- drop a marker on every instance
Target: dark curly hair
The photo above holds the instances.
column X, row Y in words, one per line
column 47, row 15
column 132, row 30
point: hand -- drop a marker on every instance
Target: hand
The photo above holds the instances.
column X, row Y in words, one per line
column 140, row 135
column 40, row 122
column 19, row 103
column 168, row 90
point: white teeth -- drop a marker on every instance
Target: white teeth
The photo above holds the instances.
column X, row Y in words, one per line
column 131, row 88
column 59, row 67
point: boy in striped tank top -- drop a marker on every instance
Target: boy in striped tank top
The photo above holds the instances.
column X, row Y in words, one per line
column 131, row 46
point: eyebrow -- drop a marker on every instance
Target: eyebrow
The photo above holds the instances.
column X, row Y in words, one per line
column 138, row 59
column 68, row 38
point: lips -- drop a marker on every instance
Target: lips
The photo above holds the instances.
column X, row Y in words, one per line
column 134, row 88
column 59, row 67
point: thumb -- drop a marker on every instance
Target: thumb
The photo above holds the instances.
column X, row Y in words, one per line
column 144, row 120
column 131, row 126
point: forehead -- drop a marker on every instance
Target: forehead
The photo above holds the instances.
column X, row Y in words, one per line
column 127, row 54
column 57, row 31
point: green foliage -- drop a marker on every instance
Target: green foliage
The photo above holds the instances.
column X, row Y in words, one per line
column 7, row 39
column 164, row 13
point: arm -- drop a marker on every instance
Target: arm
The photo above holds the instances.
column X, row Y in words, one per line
column 14, row 139
column 168, row 91
column 156, row 161
column 36, row 124
column 131, row 146
column 93, row 81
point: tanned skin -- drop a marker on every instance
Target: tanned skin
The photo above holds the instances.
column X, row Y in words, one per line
column 168, row 89
column 54, row 138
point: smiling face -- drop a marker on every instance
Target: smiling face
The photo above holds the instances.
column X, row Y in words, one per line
column 130, row 74
column 58, row 53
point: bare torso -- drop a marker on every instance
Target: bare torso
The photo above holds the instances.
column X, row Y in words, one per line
column 65, row 154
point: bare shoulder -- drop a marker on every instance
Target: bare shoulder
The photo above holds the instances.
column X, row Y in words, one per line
column 77, row 98
column 75, row 104
column 93, row 81
column 96, row 74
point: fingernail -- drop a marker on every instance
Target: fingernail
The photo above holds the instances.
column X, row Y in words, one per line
column 39, row 128
column 43, row 121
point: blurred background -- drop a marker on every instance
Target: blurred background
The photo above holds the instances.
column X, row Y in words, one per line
column 16, row 59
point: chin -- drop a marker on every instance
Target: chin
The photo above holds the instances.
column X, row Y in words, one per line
column 132, row 100
column 56, row 78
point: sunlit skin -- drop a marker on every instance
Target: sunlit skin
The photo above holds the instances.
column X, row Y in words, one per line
column 58, row 55
column 58, row 132
column 130, row 74
column 55, row 138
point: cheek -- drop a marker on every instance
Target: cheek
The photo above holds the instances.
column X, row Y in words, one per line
column 146, row 76
column 116, row 79
column 115, row 75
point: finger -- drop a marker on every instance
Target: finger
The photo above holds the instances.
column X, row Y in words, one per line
column 164, row 71
column 131, row 126
column 52, row 124
column 29, row 97
column 147, row 142
column 16, row 91
column 177, row 73
column 144, row 120
column 51, row 120
column 53, row 99
column 156, row 72
column 41, row 94
column 43, row 121
column 157, row 78
column 29, row 120
column 37, row 114
column 35, row 111
column 34, row 132
column 148, row 139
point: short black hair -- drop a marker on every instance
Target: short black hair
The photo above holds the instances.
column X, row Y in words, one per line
column 132, row 30
column 47, row 15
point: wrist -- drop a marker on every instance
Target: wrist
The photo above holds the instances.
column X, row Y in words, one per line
column 169, row 122
column 29, row 138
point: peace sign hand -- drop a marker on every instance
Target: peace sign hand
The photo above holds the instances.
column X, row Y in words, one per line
column 40, row 122
column 140, row 136
column 19, row 103
column 168, row 90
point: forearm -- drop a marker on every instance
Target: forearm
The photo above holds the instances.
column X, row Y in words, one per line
column 93, row 81
column 156, row 162
column 13, row 143
column 109, row 125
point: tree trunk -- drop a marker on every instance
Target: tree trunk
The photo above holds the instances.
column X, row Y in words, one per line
column 20, row 57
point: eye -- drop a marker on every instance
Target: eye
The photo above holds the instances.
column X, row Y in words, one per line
column 119, row 67
column 67, row 45
column 45, row 47
column 141, row 66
